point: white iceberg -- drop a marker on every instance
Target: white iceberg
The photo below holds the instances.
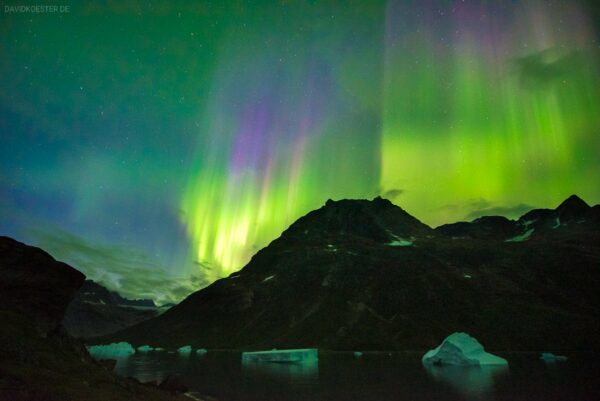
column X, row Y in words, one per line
column 201, row 351
column 144, row 348
column 463, row 350
column 185, row 350
column 111, row 351
column 282, row 356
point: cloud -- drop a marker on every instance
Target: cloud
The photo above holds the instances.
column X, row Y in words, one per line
column 507, row 211
column 392, row 193
column 541, row 69
column 479, row 207
column 128, row 271
column 470, row 204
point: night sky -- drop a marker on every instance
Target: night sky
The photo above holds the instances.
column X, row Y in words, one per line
column 157, row 146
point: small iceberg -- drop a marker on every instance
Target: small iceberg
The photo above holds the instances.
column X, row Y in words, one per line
column 460, row 349
column 358, row 354
column 549, row 357
column 111, row 351
column 201, row 351
column 185, row 350
column 282, row 356
column 145, row 348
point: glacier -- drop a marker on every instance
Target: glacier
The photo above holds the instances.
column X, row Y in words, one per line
column 462, row 350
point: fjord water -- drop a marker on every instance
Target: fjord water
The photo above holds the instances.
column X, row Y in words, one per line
column 371, row 377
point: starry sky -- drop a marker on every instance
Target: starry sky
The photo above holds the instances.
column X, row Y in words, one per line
column 156, row 146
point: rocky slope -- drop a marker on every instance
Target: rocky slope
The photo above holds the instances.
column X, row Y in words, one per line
column 359, row 274
column 96, row 311
column 38, row 360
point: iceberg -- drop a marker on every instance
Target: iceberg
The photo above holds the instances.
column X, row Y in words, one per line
column 144, row 348
column 358, row 354
column 282, row 356
column 201, row 351
column 463, row 350
column 185, row 350
column 111, row 351
column 549, row 357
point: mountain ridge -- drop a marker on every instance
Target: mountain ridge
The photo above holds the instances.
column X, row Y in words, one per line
column 365, row 274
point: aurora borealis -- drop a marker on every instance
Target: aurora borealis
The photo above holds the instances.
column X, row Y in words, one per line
column 157, row 147
column 502, row 101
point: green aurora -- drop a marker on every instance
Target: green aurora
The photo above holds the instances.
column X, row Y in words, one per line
column 192, row 135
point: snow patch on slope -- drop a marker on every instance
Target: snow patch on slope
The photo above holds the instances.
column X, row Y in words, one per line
column 522, row 237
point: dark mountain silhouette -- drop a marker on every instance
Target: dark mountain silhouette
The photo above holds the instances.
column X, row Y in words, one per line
column 359, row 274
column 93, row 292
column 97, row 311
column 572, row 211
column 487, row 227
column 35, row 286
column 38, row 360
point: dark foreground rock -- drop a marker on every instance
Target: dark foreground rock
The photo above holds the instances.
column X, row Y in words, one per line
column 359, row 274
column 38, row 360
column 173, row 384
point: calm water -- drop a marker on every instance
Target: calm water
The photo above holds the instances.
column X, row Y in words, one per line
column 381, row 377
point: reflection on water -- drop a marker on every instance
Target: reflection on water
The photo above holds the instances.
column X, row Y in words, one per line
column 470, row 381
column 372, row 377
column 147, row 369
column 152, row 366
column 296, row 372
